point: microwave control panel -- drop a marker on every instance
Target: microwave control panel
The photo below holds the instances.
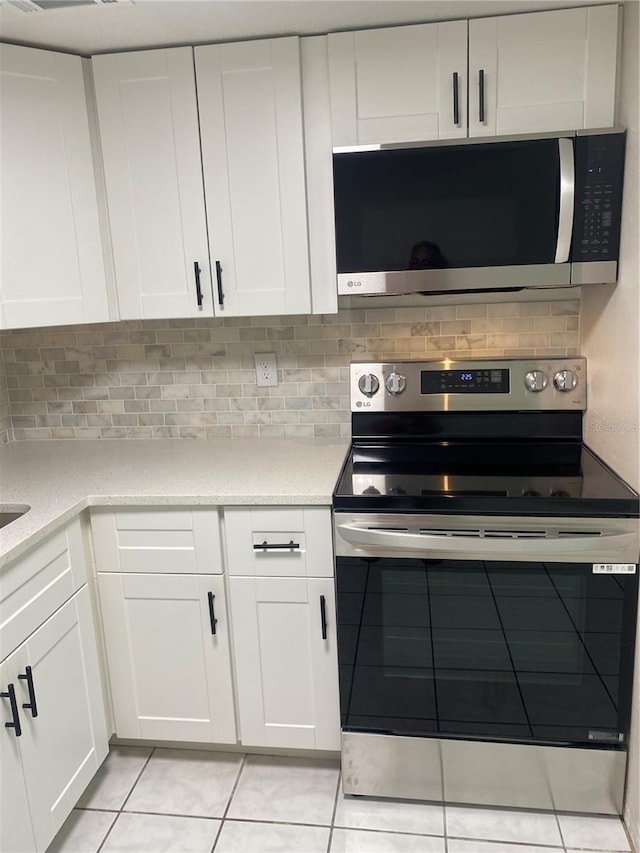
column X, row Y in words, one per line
column 599, row 170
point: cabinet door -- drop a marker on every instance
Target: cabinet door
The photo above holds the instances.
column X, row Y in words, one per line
column 170, row 674
column 52, row 268
column 249, row 97
column 149, row 133
column 543, row 71
column 16, row 835
column 286, row 671
column 63, row 746
column 397, row 84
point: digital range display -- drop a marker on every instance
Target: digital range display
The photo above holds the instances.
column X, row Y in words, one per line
column 491, row 381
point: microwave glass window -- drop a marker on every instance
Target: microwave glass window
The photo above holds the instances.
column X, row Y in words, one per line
column 458, row 206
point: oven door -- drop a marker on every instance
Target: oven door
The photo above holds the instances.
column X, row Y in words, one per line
column 453, row 628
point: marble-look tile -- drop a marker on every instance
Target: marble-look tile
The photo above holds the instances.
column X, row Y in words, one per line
column 367, row 841
column 82, row 832
column 460, row 845
column 392, row 815
column 242, row 837
column 593, row 833
column 296, row 790
column 503, row 825
column 143, row 833
column 186, row 782
column 114, row 780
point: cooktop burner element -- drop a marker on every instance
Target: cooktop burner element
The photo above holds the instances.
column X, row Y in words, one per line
column 475, row 436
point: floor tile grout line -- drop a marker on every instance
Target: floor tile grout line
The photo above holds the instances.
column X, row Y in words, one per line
column 558, row 824
column 229, row 801
column 126, row 799
column 335, row 809
column 444, row 823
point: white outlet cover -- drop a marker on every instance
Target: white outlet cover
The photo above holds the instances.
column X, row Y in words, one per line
column 266, row 369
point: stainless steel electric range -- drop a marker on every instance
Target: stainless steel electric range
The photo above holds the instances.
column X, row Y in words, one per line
column 487, row 583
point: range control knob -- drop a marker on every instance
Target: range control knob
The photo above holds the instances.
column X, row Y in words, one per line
column 368, row 384
column 535, row 380
column 396, row 383
column 565, row 380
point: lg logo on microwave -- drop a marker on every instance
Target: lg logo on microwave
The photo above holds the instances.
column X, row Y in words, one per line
column 354, row 284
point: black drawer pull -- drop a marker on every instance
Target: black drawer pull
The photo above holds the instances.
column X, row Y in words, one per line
column 31, row 704
column 456, row 100
column 219, row 280
column 212, row 615
column 11, row 696
column 323, row 616
column 481, row 95
column 196, row 269
column 277, row 546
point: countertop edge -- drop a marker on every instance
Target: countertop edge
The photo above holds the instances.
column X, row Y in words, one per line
column 178, row 481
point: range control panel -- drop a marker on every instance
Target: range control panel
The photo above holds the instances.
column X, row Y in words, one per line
column 524, row 384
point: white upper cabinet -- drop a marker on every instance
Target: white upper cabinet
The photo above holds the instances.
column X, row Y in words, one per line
column 538, row 72
column 543, row 71
column 52, row 267
column 398, row 84
column 250, row 103
column 148, row 120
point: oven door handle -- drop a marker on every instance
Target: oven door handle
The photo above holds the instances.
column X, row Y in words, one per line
column 519, row 545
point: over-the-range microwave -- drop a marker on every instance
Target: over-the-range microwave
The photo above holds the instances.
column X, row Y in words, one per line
column 475, row 216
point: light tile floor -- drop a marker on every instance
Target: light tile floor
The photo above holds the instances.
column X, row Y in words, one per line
column 186, row 801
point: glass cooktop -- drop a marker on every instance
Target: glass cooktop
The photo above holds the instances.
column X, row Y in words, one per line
column 563, row 478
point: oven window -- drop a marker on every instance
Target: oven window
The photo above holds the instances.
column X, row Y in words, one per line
column 535, row 652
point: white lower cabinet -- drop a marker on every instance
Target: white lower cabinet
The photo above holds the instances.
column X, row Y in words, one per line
column 168, row 656
column 284, row 627
column 285, row 656
column 54, row 734
column 16, row 832
column 164, row 615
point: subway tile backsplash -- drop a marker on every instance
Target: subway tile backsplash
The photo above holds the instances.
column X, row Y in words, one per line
column 196, row 378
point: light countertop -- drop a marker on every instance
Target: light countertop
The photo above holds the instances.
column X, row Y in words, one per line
column 59, row 479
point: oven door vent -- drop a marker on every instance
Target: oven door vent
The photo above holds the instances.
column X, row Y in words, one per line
column 573, row 534
column 515, row 534
column 450, row 531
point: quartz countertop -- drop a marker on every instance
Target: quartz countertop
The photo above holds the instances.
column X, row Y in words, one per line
column 59, row 479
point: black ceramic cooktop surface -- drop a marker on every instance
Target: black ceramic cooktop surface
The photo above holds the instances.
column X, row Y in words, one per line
column 561, row 478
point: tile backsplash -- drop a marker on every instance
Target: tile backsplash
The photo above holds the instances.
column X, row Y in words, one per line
column 196, row 378
column 5, row 412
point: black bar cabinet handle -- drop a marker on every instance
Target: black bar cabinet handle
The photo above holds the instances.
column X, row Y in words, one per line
column 11, row 696
column 196, row 269
column 275, row 546
column 456, row 100
column 219, row 280
column 31, row 704
column 323, row 616
column 212, row 616
column 481, row 95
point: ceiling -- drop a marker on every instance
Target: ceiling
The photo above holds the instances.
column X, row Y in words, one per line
column 130, row 24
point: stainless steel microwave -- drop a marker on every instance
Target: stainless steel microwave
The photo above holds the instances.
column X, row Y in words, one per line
column 479, row 216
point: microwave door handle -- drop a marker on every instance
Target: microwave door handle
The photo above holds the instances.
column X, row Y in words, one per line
column 567, row 199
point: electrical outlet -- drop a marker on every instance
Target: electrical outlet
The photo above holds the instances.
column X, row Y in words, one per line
column 266, row 369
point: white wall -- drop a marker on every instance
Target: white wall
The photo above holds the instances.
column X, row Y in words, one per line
column 610, row 330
